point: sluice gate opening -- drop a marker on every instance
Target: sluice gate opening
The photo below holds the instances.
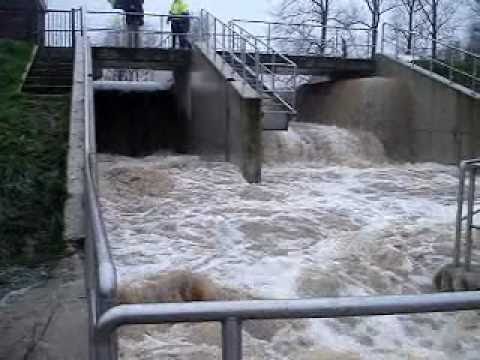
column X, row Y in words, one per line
column 132, row 121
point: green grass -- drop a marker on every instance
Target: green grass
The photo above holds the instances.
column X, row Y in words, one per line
column 33, row 146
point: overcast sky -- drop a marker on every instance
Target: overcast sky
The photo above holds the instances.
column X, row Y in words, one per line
column 225, row 9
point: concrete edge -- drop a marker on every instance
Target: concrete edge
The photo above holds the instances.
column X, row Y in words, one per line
column 130, row 86
column 457, row 87
column 74, row 229
column 29, row 65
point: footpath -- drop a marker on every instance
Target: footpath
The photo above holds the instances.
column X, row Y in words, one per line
column 50, row 320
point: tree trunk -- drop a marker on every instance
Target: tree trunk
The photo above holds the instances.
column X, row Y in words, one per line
column 434, row 28
column 411, row 11
column 324, row 22
column 375, row 22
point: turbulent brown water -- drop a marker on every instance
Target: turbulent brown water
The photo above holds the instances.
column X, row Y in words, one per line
column 332, row 217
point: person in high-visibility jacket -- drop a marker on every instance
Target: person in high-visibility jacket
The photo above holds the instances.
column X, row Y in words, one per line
column 179, row 16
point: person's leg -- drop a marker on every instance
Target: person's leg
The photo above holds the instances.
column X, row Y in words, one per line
column 174, row 32
column 184, row 34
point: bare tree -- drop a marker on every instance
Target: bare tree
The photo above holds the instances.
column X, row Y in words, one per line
column 376, row 9
column 438, row 14
column 308, row 11
column 410, row 8
column 474, row 36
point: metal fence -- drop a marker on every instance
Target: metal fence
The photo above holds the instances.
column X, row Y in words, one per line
column 156, row 33
column 57, row 28
column 455, row 64
column 312, row 39
column 106, row 316
column 468, row 170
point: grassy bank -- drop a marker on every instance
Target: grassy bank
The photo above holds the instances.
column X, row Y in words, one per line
column 33, row 145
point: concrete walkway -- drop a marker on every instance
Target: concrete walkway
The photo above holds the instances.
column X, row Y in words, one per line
column 49, row 322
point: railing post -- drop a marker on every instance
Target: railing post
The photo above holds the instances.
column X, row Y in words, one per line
column 223, row 39
column 336, row 42
column 257, row 67
column 82, row 31
column 232, row 339
column 244, row 59
column 413, row 52
column 471, row 203
column 383, row 38
column 73, row 30
column 215, row 38
column 397, row 43
column 161, row 31
column 294, row 98
column 269, row 35
column 450, row 69
column 458, row 230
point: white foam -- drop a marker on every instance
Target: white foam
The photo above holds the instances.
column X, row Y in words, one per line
column 329, row 220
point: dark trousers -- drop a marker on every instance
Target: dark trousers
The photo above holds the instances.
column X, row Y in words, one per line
column 180, row 29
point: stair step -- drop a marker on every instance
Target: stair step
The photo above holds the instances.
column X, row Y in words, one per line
column 52, row 80
column 44, row 90
column 53, row 63
column 50, row 73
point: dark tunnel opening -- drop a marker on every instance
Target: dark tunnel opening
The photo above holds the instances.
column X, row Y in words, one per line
column 137, row 123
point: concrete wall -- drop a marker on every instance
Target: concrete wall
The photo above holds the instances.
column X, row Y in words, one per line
column 221, row 118
column 74, row 229
column 444, row 117
column 379, row 105
column 20, row 19
column 418, row 116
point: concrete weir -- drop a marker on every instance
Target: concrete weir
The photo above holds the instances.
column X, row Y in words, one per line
column 419, row 116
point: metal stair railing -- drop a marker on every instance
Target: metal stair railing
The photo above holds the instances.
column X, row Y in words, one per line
column 242, row 50
column 453, row 63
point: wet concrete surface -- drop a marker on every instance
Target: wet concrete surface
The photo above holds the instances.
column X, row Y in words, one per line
column 47, row 320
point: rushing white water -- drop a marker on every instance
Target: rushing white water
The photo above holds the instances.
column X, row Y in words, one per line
column 332, row 217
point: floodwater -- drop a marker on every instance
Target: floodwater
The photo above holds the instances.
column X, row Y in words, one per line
column 332, row 217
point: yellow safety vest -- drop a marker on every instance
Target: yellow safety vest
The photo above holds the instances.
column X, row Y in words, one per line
column 179, row 8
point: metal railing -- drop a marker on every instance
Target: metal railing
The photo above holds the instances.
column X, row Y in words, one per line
column 312, row 39
column 242, row 51
column 455, row 64
column 101, row 274
column 106, row 316
column 468, row 169
column 58, row 28
column 156, row 33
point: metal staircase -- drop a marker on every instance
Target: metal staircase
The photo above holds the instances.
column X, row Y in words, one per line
column 241, row 51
